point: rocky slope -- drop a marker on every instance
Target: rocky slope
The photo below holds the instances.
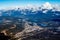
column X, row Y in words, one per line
column 28, row 31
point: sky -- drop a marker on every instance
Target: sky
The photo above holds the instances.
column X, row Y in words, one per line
column 11, row 3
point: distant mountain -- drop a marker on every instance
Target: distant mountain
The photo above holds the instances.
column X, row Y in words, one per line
column 44, row 13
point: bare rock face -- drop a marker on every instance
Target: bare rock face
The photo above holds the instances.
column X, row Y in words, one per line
column 28, row 31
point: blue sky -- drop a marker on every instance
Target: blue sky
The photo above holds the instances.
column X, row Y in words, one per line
column 8, row 3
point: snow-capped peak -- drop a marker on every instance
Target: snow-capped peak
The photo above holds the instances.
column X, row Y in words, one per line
column 47, row 5
column 34, row 8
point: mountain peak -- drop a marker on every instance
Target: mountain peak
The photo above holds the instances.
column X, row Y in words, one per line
column 47, row 5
